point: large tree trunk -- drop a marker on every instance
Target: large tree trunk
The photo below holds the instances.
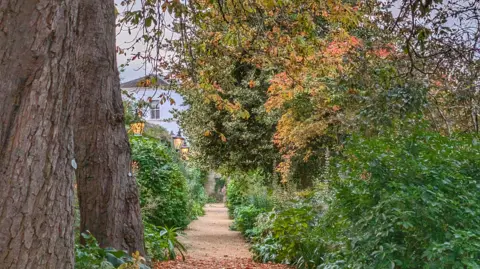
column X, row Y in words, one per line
column 36, row 143
column 107, row 191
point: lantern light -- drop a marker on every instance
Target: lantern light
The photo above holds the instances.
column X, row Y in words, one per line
column 137, row 128
column 178, row 140
column 184, row 150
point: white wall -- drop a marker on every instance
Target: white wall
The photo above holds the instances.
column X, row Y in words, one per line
column 166, row 117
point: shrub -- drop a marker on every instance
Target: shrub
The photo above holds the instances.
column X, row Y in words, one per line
column 163, row 187
column 236, row 196
column 245, row 218
column 409, row 201
column 92, row 256
column 402, row 200
column 286, row 236
column 161, row 243
column 241, row 187
column 197, row 198
column 290, row 229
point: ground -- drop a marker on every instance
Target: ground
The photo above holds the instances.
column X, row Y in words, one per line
column 211, row 244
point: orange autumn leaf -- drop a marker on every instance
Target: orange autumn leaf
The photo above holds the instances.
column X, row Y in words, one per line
column 382, row 53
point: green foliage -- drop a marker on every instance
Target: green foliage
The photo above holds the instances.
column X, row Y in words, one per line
column 245, row 218
column 223, row 139
column 243, row 187
column 236, row 195
column 196, row 209
column 212, row 199
column 246, row 200
column 265, row 248
column 157, row 132
column 162, row 244
column 219, row 184
column 286, row 235
column 163, row 186
column 197, row 198
column 408, row 200
column 402, row 200
column 91, row 256
column 290, row 229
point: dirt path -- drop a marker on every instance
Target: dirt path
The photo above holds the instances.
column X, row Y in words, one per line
column 211, row 244
column 210, row 236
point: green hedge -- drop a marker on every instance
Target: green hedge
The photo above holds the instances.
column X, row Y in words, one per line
column 408, row 201
column 402, row 200
column 163, row 186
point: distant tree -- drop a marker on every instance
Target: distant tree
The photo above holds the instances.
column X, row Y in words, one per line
column 107, row 191
column 230, row 140
column 37, row 99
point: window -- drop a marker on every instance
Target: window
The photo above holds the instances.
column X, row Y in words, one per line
column 155, row 110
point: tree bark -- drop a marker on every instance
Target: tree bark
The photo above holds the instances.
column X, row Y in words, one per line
column 107, row 191
column 37, row 60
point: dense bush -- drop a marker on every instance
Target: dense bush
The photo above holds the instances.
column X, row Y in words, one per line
column 402, row 200
column 245, row 218
column 161, row 243
column 197, row 197
column 409, row 201
column 244, row 189
column 163, row 186
column 285, row 235
column 236, row 195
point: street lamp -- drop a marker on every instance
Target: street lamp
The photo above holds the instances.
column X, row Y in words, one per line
column 178, row 140
column 184, row 150
column 137, row 128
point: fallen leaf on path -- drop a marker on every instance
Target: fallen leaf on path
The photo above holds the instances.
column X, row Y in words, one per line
column 238, row 263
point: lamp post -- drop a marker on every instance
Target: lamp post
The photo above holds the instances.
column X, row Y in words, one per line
column 137, row 128
column 184, row 150
column 178, row 140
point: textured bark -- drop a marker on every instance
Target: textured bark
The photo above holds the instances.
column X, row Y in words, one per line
column 37, row 61
column 107, row 191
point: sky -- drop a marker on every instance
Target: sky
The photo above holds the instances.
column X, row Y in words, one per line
column 124, row 40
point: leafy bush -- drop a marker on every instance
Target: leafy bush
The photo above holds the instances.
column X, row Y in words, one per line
column 242, row 187
column 197, row 197
column 291, row 229
column 245, row 215
column 245, row 218
column 285, row 235
column 196, row 209
column 92, row 256
column 402, row 200
column 409, row 201
column 236, row 196
column 266, row 247
column 163, row 187
column 162, row 244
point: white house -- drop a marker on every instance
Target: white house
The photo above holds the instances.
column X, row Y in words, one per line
column 158, row 96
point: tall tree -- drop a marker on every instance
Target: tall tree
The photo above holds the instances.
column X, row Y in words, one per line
column 107, row 191
column 228, row 140
column 37, row 95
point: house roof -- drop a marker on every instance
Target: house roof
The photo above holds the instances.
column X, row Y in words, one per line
column 137, row 83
